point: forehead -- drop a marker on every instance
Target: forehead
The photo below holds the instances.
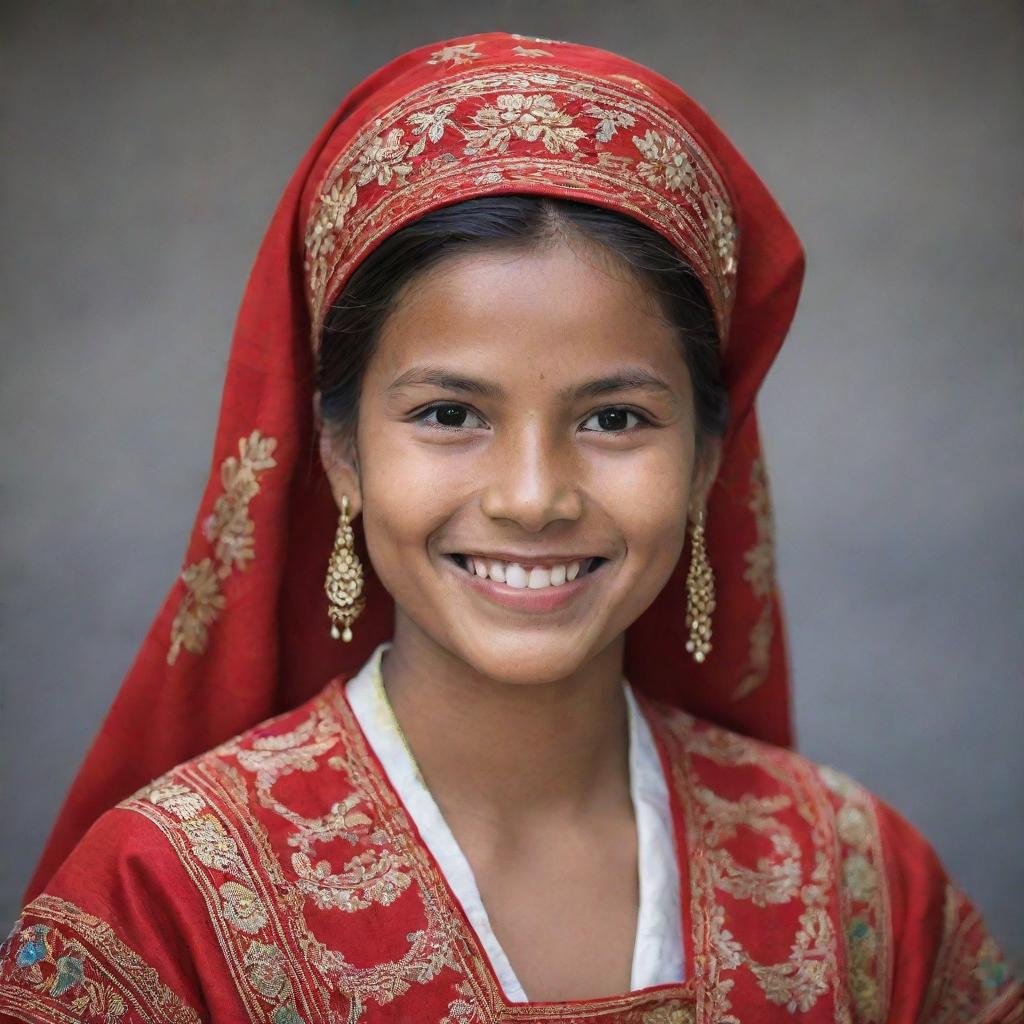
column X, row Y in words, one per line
column 558, row 310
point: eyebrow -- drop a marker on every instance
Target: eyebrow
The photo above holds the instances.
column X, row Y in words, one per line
column 632, row 378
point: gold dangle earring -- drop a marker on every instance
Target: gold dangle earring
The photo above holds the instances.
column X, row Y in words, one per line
column 700, row 594
column 344, row 583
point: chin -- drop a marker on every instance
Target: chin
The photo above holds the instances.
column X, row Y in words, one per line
column 527, row 657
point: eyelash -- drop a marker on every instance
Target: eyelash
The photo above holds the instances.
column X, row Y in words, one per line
column 421, row 416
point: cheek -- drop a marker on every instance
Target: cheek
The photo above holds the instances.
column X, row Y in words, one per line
column 407, row 496
column 655, row 524
column 648, row 500
column 650, row 485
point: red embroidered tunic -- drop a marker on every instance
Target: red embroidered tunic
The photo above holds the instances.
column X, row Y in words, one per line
column 278, row 878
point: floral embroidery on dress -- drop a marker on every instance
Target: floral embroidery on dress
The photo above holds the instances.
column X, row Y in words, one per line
column 969, row 971
column 199, row 836
column 677, row 1013
column 242, row 908
column 788, row 900
column 178, row 799
column 188, row 806
column 366, row 879
column 211, row 845
column 719, row 828
column 70, row 964
column 231, row 531
column 263, row 898
column 864, row 895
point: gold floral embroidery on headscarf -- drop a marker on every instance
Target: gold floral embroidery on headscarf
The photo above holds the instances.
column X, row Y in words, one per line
column 525, row 51
column 478, row 128
column 760, row 574
column 530, row 118
column 463, row 53
column 230, row 529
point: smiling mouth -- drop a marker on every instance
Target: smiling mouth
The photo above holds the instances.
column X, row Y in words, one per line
column 586, row 567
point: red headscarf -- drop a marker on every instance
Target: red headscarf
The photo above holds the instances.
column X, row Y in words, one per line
column 243, row 634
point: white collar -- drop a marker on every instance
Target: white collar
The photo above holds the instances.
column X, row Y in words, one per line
column 658, row 951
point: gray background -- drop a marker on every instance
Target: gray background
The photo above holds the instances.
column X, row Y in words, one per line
column 145, row 147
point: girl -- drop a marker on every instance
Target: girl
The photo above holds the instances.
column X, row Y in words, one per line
column 494, row 375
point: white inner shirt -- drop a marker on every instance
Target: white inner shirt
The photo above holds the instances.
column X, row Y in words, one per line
column 658, row 949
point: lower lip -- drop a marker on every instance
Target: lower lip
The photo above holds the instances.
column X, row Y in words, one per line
column 543, row 600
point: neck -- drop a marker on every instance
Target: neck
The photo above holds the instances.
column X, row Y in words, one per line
column 511, row 756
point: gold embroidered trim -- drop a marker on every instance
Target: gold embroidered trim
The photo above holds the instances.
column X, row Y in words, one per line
column 864, row 897
column 204, row 810
column 238, row 905
column 263, row 899
column 731, row 949
column 479, row 131
column 230, row 529
column 760, row 574
column 971, row 979
column 72, row 966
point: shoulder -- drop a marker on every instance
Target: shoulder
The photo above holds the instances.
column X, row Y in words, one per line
column 712, row 756
column 160, row 900
column 110, row 937
column 778, row 839
column 227, row 781
column 251, row 810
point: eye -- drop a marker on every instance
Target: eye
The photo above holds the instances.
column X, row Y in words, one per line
column 450, row 416
column 614, row 420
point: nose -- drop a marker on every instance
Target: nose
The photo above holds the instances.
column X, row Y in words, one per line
column 532, row 479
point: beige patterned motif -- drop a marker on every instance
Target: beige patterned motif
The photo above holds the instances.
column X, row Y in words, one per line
column 732, row 949
column 760, row 574
column 305, row 859
column 526, row 118
column 63, row 964
column 969, row 971
column 666, row 163
column 213, row 812
column 464, row 53
column 230, row 530
column 203, row 808
column 212, row 856
column 864, row 895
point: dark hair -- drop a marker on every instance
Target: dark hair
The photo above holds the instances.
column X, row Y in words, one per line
column 354, row 321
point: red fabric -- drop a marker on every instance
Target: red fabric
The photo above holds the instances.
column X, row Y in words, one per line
column 279, row 879
column 259, row 637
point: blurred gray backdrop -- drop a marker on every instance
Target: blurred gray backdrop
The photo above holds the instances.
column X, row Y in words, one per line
column 145, row 146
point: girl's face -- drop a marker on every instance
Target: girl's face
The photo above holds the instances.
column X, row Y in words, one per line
column 531, row 411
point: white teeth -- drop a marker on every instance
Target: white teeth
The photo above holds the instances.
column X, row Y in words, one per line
column 515, row 576
column 539, row 578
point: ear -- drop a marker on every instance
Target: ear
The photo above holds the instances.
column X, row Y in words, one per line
column 340, row 462
column 705, row 470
